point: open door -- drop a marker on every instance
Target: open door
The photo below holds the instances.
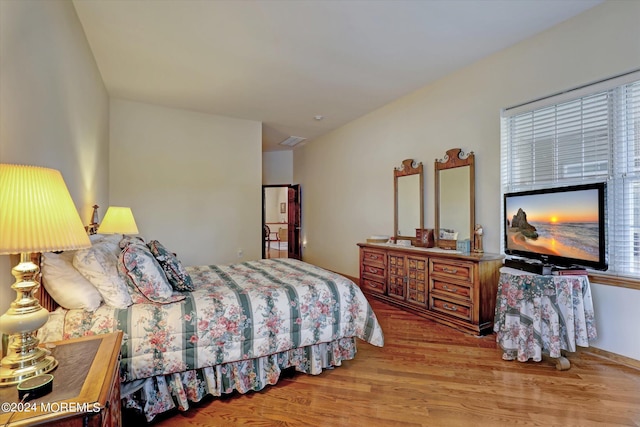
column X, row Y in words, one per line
column 295, row 224
column 281, row 215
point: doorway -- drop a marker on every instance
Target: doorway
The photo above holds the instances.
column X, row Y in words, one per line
column 281, row 219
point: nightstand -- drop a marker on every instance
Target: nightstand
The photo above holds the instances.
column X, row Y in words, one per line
column 86, row 387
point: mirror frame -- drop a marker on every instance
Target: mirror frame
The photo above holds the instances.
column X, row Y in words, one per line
column 455, row 158
column 408, row 167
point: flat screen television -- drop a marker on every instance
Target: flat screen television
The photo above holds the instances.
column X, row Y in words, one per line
column 563, row 226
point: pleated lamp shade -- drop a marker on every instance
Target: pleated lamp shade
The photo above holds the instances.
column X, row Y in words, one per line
column 37, row 213
column 118, row 220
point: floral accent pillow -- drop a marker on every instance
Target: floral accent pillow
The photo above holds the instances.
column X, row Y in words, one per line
column 144, row 276
column 127, row 240
column 98, row 264
column 172, row 267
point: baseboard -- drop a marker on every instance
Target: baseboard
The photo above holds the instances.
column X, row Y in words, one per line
column 623, row 360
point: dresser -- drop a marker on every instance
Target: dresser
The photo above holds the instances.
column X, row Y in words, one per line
column 86, row 388
column 455, row 289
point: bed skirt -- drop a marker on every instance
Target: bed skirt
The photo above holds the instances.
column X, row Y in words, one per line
column 155, row 395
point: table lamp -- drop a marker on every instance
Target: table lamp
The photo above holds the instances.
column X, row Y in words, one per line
column 37, row 214
column 118, row 220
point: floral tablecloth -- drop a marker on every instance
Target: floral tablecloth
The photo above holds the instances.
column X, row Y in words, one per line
column 536, row 314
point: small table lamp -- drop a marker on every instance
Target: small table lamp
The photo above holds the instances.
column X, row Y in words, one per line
column 118, row 220
column 37, row 214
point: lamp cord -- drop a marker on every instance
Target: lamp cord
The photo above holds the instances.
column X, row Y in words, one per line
column 13, row 413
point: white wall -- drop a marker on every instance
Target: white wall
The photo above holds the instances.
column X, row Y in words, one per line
column 192, row 180
column 277, row 167
column 461, row 110
column 54, row 109
column 617, row 319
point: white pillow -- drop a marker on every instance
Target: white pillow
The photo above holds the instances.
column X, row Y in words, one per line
column 98, row 264
column 66, row 285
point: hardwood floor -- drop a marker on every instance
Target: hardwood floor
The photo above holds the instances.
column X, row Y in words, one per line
column 431, row 375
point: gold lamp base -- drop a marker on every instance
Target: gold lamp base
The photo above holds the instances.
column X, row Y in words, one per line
column 25, row 316
column 17, row 367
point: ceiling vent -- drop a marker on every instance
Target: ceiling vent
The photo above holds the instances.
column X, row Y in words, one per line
column 292, row 141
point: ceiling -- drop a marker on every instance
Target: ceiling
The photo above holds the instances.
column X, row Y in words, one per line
column 284, row 62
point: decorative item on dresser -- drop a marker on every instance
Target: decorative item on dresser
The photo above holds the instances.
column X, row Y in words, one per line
column 456, row 289
column 86, row 388
column 477, row 239
column 425, row 237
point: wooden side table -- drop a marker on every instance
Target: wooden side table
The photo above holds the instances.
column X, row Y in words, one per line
column 86, row 387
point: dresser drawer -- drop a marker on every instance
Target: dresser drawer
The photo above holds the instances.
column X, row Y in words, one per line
column 369, row 285
column 373, row 271
column 459, row 270
column 457, row 290
column 374, row 258
column 456, row 309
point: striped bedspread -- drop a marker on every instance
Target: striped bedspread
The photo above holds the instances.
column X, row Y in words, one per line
column 237, row 312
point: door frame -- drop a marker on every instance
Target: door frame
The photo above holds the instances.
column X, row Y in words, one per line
column 292, row 230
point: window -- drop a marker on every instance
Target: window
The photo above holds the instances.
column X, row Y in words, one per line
column 590, row 134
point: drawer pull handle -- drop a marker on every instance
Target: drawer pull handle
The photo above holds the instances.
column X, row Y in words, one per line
column 449, row 307
column 373, row 256
column 452, row 271
column 446, row 288
column 373, row 270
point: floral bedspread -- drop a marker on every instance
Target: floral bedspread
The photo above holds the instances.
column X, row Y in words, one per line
column 241, row 325
column 536, row 314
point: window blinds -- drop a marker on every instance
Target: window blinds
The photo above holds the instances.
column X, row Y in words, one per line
column 592, row 137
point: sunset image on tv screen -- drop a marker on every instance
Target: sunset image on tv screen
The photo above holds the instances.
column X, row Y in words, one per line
column 560, row 224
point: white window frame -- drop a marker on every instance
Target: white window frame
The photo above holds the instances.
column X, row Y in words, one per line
column 610, row 153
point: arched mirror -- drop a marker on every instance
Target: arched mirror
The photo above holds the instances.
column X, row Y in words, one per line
column 455, row 198
column 408, row 181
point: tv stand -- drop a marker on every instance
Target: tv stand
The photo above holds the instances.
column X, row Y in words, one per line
column 530, row 266
column 534, row 316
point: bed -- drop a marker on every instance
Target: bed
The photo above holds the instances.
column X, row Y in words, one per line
column 227, row 328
